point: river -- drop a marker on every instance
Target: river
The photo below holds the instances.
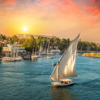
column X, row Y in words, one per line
column 29, row 80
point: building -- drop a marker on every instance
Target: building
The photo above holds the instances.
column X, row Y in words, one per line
column 20, row 36
column 13, row 48
column 4, row 42
column 1, row 43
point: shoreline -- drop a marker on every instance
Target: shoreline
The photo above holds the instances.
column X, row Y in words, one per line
column 94, row 55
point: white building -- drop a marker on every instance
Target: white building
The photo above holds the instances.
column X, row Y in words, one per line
column 14, row 48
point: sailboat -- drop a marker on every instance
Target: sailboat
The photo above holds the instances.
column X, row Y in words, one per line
column 49, row 55
column 65, row 67
column 34, row 54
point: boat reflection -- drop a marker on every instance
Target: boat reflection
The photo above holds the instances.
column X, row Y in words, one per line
column 62, row 93
column 34, row 59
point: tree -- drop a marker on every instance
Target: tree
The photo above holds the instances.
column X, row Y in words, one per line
column 14, row 39
column 64, row 43
column 93, row 46
column 0, row 49
column 2, row 37
column 29, row 43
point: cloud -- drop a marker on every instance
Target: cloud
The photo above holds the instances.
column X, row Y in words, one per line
column 92, row 6
column 75, row 10
column 94, row 9
column 36, row 5
column 7, row 2
column 52, row 6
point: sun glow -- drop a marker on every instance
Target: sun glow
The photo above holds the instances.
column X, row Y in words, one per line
column 24, row 28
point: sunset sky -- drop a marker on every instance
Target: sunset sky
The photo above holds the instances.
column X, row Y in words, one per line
column 62, row 18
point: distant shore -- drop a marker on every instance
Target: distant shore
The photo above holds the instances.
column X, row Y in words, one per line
column 89, row 51
column 96, row 55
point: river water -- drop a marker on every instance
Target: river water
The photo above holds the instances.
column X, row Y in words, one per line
column 29, row 80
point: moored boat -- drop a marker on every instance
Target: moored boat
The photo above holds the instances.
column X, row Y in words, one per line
column 34, row 56
column 8, row 59
column 50, row 57
column 54, row 63
column 12, row 59
column 78, row 54
column 19, row 58
column 27, row 57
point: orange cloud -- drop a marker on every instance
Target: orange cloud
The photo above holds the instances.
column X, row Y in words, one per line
column 7, row 2
column 10, row 2
column 94, row 10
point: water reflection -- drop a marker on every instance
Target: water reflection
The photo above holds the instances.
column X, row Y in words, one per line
column 34, row 59
column 62, row 93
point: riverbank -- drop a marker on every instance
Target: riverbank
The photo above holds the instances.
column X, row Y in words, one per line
column 97, row 55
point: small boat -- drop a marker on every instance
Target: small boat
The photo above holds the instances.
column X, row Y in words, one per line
column 19, row 58
column 78, row 54
column 50, row 57
column 12, row 59
column 65, row 67
column 50, row 54
column 34, row 56
column 56, row 51
column 27, row 57
column 54, row 63
column 8, row 59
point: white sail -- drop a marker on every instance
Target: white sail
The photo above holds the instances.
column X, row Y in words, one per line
column 66, row 65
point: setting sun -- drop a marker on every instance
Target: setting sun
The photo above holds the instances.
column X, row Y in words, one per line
column 24, row 28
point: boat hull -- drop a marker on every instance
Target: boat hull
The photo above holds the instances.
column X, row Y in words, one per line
column 12, row 59
column 9, row 60
column 32, row 57
column 26, row 58
column 62, row 85
column 19, row 60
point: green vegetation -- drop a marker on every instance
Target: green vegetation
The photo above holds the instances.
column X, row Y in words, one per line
column 84, row 45
column 55, row 43
column 2, row 37
column 0, row 49
column 97, row 55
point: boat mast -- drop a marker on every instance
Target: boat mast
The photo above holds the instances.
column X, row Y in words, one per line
column 40, row 48
column 48, row 46
column 57, row 73
column 33, row 48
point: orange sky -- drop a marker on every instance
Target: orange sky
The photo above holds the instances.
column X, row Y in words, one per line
column 62, row 18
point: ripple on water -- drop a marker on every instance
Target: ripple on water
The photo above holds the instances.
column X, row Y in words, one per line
column 29, row 80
